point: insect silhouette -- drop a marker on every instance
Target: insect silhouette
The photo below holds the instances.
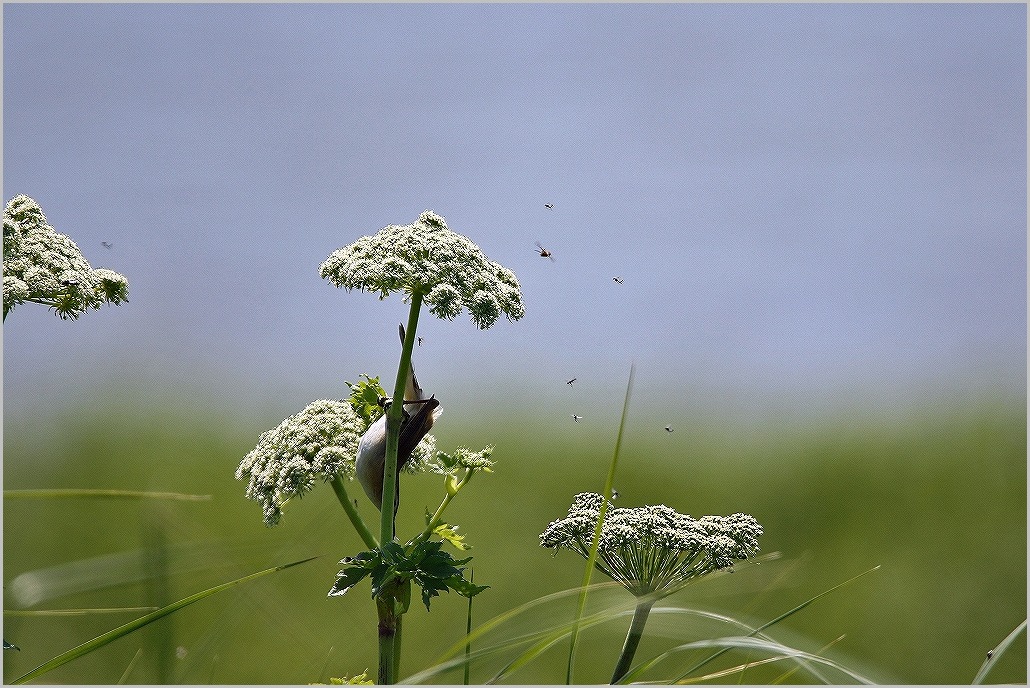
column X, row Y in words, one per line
column 107, row 244
column 617, row 280
column 548, row 205
column 420, row 341
column 69, row 283
column 668, row 428
column 576, row 418
column 569, row 382
column 544, row 253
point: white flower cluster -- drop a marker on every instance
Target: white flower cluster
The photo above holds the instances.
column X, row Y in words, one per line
column 42, row 266
column 319, row 442
column 652, row 548
column 447, row 269
column 463, row 457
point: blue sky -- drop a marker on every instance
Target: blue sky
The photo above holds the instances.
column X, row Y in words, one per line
column 809, row 205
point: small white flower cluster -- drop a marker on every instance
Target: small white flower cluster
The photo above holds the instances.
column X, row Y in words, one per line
column 463, row 457
column 652, row 548
column 42, row 266
column 447, row 269
column 319, row 442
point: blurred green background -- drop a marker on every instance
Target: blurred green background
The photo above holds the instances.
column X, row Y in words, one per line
column 935, row 495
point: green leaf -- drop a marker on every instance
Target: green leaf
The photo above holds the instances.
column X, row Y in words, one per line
column 359, row 680
column 360, row 567
column 465, row 588
column 366, row 397
column 142, row 621
column 449, row 533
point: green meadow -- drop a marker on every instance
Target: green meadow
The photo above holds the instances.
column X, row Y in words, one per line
column 934, row 497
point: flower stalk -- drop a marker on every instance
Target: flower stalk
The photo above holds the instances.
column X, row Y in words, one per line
column 352, row 513
column 394, row 417
column 389, row 616
column 636, row 631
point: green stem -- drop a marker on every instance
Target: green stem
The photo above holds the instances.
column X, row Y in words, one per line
column 387, row 603
column 352, row 513
column 388, row 626
column 393, row 421
column 437, row 517
column 397, row 646
column 636, row 630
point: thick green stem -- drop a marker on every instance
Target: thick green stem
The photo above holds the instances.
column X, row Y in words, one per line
column 393, row 421
column 352, row 513
column 387, row 604
column 636, row 630
column 389, row 624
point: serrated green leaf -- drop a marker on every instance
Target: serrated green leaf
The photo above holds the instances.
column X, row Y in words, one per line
column 347, row 579
column 465, row 588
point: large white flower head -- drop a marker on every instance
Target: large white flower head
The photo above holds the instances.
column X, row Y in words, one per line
column 320, row 442
column 42, row 266
column 653, row 548
column 447, row 269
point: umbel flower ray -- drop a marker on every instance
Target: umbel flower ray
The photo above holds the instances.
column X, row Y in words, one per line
column 45, row 267
column 650, row 549
column 447, row 270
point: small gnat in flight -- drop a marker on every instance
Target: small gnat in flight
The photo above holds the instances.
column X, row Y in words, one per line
column 617, row 280
column 544, row 253
column 569, row 382
column 420, row 341
column 668, row 428
column 575, row 417
column 549, row 206
column 107, row 244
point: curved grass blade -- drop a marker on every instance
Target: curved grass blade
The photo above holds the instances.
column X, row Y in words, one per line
column 103, row 494
column 994, row 655
column 778, row 651
column 142, row 621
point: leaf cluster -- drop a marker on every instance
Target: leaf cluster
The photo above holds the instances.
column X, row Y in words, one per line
column 393, row 566
column 367, row 398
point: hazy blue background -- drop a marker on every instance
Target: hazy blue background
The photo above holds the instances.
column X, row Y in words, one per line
column 811, row 206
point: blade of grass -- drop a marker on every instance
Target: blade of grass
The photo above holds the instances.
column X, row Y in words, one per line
column 994, row 655
column 468, row 632
column 103, row 494
column 782, row 679
column 128, row 670
column 77, row 612
column 121, row 631
column 777, row 650
column 608, row 486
